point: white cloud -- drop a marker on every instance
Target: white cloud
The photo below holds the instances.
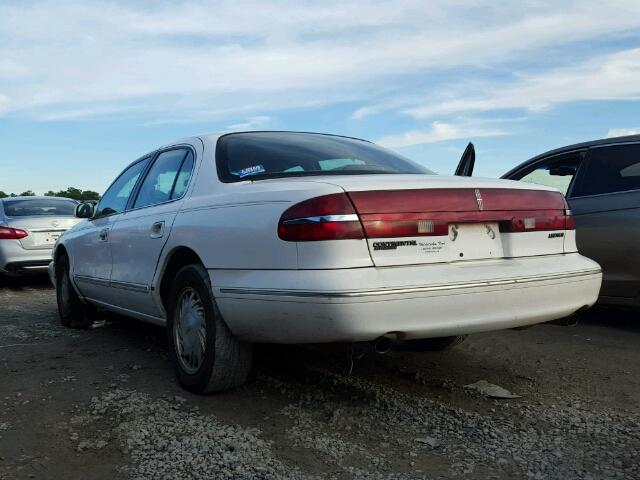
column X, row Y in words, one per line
column 621, row 132
column 609, row 77
column 438, row 132
column 179, row 60
column 362, row 112
column 253, row 123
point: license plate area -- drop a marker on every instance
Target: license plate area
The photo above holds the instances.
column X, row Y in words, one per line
column 45, row 239
column 474, row 241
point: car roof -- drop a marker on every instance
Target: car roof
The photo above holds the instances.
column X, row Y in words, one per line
column 592, row 143
column 213, row 137
column 575, row 146
column 37, row 197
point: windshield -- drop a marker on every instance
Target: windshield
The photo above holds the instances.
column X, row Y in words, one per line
column 39, row 207
column 261, row 155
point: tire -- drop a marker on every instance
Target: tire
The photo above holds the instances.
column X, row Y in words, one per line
column 434, row 344
column 72, row 311
column 226, row 361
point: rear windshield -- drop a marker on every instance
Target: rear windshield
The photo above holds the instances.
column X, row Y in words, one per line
column 38, row 207
column 262, row 155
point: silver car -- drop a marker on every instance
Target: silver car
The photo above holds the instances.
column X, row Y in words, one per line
column 29, row 227
column 601, row 180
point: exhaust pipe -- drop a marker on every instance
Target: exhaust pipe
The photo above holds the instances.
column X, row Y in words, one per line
column 382, row 345
column 570, row 321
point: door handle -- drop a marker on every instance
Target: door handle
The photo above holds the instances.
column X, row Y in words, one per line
column 104, row 234
column 157, row 230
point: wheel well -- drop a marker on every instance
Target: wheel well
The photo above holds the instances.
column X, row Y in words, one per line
column 60, row 250
column 180, row 257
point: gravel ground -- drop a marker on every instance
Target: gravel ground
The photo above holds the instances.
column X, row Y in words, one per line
column 104, row 404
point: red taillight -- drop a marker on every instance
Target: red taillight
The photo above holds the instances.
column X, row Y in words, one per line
column 423, row 212
column 569, row 221
column 330, row 217
column 455, row 200
column 7, row 233
column 535, row 221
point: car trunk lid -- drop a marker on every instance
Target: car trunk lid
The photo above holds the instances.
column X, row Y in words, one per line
column 42, row 231
column 411, row 219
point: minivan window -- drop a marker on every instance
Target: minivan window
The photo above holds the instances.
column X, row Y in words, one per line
column 38, row 207
column 263, row 155
column 116, row 197
column 610, row 169
column 158, row 185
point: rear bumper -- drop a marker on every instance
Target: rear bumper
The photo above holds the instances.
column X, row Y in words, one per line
column 411, row 302
column 15, row 260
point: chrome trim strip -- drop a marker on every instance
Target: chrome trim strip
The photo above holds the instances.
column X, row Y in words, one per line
column 397, row 291
column 323, row 218
column 130, row 313
column 136, row 287
column 103, row 282
column 617, row 192
column 40, row 230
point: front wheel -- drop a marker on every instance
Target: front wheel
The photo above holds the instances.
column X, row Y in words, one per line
column 72, row 311
column 207, row 357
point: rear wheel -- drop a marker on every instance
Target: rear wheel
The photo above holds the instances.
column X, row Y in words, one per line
column 207, row 357
column 434, row 344
column 72, row 311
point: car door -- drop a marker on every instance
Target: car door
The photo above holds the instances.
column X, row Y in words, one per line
column 606, row 206
column 89, row 246
column 141, row 232
column 467, row 162
column 559, row 171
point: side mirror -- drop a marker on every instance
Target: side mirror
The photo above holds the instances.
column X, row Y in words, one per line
column 85, row 210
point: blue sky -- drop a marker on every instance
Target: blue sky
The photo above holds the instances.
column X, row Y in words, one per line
column 87, row 87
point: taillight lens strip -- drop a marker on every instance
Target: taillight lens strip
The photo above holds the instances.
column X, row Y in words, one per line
column 455, row 200
column 391, row 225
column 314, row 231
column 352, row 217
column 329, row 217
column 431, row 211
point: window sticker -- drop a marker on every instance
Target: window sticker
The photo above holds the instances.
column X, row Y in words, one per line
column 245, row 172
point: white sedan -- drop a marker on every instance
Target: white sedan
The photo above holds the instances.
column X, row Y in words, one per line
column 306, row 238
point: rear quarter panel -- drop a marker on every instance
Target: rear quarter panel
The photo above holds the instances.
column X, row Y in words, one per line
column 234, row 225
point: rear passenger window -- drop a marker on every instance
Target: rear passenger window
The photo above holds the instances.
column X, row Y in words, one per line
column 611, row 169
column 183, row 177
column 158, row 185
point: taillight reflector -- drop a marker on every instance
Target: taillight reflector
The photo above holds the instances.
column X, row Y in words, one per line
column 330, row 217
column 535, row 221
column 8, row 233
column 389, row 225
column 569, row 221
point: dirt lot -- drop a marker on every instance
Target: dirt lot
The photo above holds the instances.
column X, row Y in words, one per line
column 104, row 404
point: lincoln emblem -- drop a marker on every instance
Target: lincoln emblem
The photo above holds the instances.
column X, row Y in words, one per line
column 479, row 199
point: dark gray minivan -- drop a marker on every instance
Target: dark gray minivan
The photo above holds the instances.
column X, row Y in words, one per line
column 601, row 180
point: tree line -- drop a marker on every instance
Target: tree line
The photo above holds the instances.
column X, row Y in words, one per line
column 71, row 192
